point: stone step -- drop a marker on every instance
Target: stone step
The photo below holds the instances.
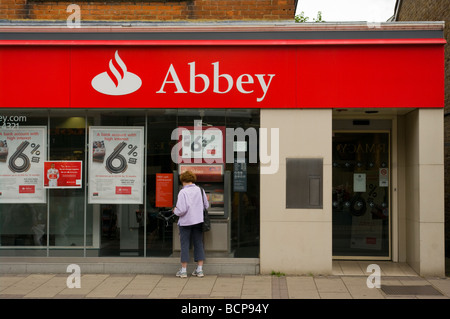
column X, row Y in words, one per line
column 124, row 265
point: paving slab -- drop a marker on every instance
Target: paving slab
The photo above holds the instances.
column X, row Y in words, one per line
column 8, row 280
column 351, row 268
column 141, row 286
column 442, row 284
column 279, row 288
column 88, row 283
column 26, row 284
column 327, row 285
column 357, row 287
column 49, row 288
column 228, row 287
column 302, row 288
column 168, row 287
column 335, row 295
column 255, row 287
column 110, row 287
column 198, row 287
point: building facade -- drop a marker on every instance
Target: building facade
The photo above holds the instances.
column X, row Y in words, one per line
column 407, row 10
column 314, row 142
column 152, row 10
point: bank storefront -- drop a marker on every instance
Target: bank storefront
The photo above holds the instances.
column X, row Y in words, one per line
column 312, row 144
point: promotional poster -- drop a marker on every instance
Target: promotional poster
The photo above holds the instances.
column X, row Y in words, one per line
column 116, row 165
column 22, row 155
column 202, row 144
column 164, row 190
column 63, row 174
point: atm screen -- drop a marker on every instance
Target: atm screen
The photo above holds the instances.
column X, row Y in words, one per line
column 211, row 178
column 215, row 194
column 215, row 199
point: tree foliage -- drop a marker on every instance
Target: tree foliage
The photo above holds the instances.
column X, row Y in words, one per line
column 299, row 18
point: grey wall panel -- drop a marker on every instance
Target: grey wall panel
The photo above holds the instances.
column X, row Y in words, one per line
column 304, row 184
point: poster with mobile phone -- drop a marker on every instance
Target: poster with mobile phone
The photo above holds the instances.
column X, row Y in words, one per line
column 22, row 154
column 116, row 158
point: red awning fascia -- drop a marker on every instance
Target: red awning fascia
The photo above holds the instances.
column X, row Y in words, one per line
column 220, row 42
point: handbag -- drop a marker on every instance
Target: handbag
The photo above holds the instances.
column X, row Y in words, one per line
column 206, row 222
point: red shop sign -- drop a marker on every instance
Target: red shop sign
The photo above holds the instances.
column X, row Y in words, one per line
column 209, row 76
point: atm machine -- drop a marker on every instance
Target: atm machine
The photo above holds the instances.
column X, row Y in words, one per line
column 217, row 186
column 216, row 182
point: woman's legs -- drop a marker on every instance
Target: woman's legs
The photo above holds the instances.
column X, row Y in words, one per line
column 197, row 240
column 195, row 233
column 185, row 238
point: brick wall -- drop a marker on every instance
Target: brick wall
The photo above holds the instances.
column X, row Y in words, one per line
column 436, row 10
column 162, row 10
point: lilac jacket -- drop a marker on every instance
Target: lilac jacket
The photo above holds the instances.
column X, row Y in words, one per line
column 190, row 206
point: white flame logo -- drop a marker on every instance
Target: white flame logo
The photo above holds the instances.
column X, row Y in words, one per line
column 117, row 80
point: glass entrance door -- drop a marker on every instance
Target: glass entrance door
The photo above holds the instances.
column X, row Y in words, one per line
column 361, row 195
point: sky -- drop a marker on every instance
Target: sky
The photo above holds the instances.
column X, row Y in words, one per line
column 347, row 10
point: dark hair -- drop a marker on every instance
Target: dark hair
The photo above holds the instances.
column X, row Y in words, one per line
column 188, row 177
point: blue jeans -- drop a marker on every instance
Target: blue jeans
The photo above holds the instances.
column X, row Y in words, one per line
column 194, row 234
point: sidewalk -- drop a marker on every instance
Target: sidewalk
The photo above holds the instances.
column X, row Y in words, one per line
column 348, row 281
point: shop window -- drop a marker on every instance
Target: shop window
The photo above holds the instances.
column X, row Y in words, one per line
column 66, row 203
column 63, row 221
column 120, row 232
column 23, row 207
